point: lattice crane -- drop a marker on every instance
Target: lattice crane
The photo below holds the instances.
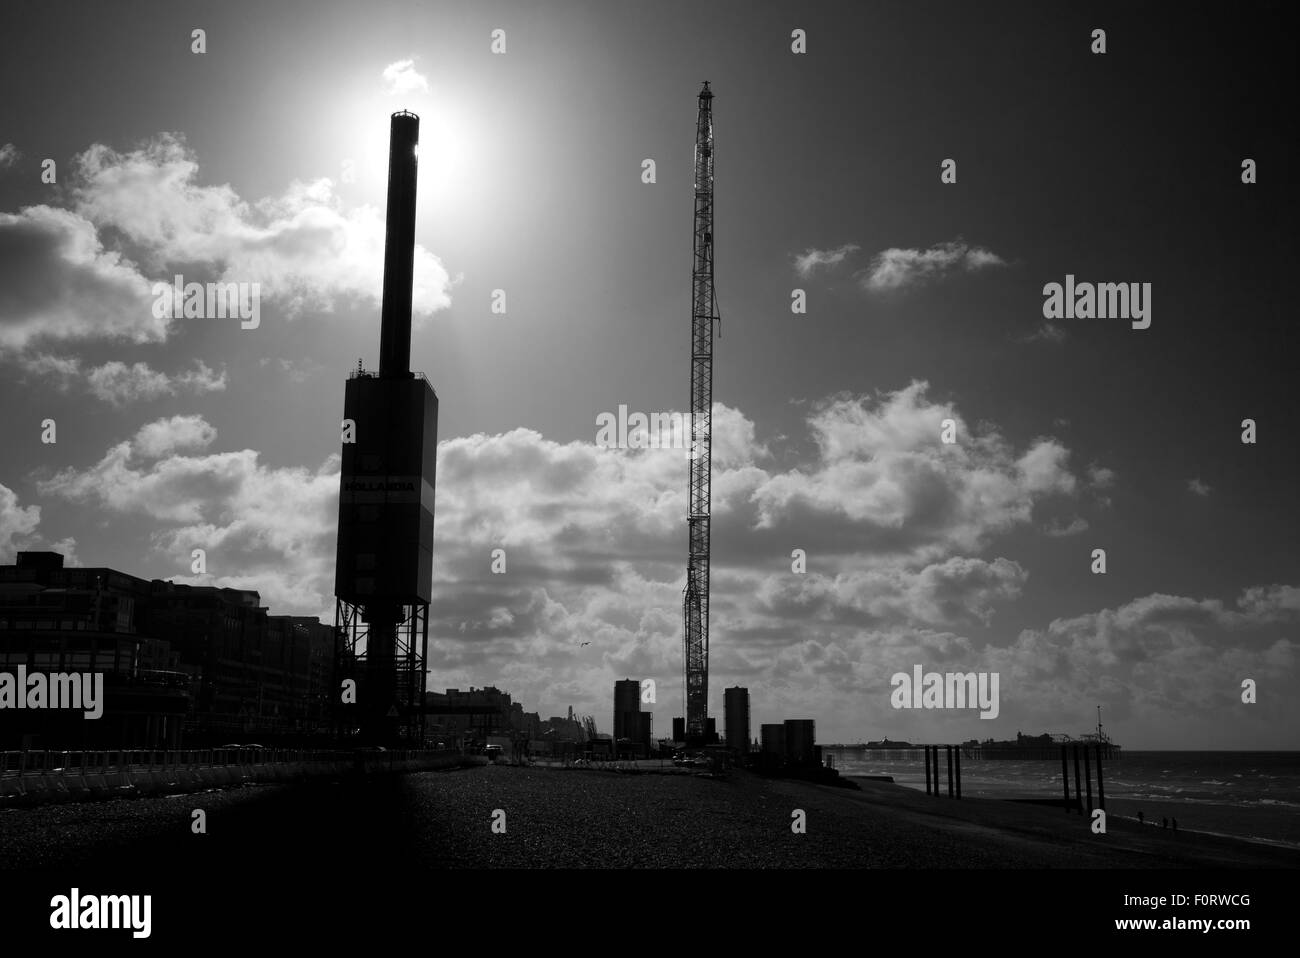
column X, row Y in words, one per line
column 704, row 316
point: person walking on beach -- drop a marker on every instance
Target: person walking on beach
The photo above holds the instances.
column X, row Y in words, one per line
column 1175, row 826
column 1140, row 821
column 1165, row 822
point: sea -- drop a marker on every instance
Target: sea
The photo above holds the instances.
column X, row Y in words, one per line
column 1249, row 795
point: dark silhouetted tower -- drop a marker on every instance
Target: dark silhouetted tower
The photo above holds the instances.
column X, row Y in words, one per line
column 627, row 698
column 384, row 568
column 735, row 702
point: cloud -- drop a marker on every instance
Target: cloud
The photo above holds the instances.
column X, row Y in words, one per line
column 119, row 384
column 164, row 436
column 67, row 547
column 267, row 529
column 401, row 77
column 1198, row 487
column 1100, row 477
column 1165, row 668
column 1056, row 530
column 304, row 249
column 1043, row 468
column 960, row 589
column 892, row 521
column 884, row 484
column 9, row 155
column 806, row 263
column 17, row 523
column 59, row 279
column 1162, row 661
column 295, row 370
column 1272, row 603
column 898, row 269
column 1048, row 333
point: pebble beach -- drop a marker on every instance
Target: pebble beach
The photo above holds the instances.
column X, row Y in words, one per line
column 577, row 818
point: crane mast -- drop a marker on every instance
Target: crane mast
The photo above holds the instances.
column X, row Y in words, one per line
column 703, row 317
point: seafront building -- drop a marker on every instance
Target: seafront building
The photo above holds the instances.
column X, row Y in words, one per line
column 182, row 663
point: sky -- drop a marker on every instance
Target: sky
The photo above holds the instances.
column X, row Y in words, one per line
column 263, row 160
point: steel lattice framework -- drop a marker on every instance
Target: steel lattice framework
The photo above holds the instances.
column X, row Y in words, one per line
column 703, row 317
column 386, row 657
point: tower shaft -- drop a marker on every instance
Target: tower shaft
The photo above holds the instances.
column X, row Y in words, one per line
column 384, row 562
column 703, row 318
column 399, row 247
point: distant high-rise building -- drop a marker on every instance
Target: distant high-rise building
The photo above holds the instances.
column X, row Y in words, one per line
column 801, row 741
column 773, row 737
column 627, row 698
column 638, row 728
column 679, row 729
column 736, row 710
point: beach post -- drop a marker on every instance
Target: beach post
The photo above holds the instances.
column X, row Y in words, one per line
column 1065, row 778
column 1078, row 794
column 948, row 748
column 926, row 749
column 957, row 757
column 1101, row 789
column 1087, row 778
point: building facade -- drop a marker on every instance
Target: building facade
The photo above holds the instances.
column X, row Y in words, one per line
column 182, row 664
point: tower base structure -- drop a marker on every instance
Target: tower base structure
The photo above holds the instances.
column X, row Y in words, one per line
column 379, row 664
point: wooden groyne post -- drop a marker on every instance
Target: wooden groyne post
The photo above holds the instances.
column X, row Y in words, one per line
column 1101, row 790
column 1078, row 794
column 1087, row 778
column 934, row 776
column 1065, row 777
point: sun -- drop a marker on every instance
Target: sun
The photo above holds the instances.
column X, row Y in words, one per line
column 451, row 165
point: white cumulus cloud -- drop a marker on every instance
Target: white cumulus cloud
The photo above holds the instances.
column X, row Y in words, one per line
column 897, row 269
column 402, row 77
column 118, row 384
column 61, row 278
column 807, row 262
